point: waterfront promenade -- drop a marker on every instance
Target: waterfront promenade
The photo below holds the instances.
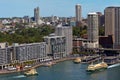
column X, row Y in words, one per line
column 35, row 66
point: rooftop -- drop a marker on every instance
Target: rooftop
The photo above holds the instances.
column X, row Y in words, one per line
column 113, row 7
column 91, row 13
column 63, row 26
column 78, row 4
column 53, row 36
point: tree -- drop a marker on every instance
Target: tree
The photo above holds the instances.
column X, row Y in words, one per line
column 79, row 31
column 101, row 31
column 26, row 35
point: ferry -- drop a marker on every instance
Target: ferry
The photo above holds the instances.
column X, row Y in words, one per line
column 77, row 60
column 31, row 72
column 94, row 67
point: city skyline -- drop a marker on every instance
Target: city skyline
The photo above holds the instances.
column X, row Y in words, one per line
column 54, row 7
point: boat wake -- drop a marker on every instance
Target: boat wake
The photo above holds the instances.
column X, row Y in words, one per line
column 20, row 76
column 114, row 65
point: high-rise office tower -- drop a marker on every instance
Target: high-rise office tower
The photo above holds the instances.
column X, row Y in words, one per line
column 109, row 21
column 117, row 28
column 67, row 32
column 112, row 24
column 78, row 14
column 101, row 19
column 93, row 26
column 36, row 15
column 93, row 29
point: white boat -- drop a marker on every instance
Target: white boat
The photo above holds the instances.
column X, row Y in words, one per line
column 48, row 64
column 10, row 68
column 27, row 66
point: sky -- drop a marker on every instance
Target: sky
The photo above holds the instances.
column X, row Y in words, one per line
column 63, row 8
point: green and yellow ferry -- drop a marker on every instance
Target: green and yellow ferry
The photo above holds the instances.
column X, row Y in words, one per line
column 77, row 60
column 96, row 67
column 31, row 72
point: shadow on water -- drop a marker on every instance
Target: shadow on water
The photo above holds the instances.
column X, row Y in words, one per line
column 97, row 75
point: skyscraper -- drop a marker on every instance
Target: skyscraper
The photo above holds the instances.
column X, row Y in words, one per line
column 117, row 28
column 93, row 28
column 101, row 19
column 78, row 14
column 67, row 32
column 109, row 21
column 36, row 15
column 112, row 24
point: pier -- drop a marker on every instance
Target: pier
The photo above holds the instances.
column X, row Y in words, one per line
column 89, row 59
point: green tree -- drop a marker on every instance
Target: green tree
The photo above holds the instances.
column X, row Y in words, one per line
column 26, row 35
column 102, row 31
column 79, row 31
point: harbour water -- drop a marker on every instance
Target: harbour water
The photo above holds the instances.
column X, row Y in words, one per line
column 67, row 70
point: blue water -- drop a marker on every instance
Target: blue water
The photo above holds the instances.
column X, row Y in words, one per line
column 67, row 71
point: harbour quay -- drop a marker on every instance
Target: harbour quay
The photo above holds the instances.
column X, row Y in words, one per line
column 89, row 59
